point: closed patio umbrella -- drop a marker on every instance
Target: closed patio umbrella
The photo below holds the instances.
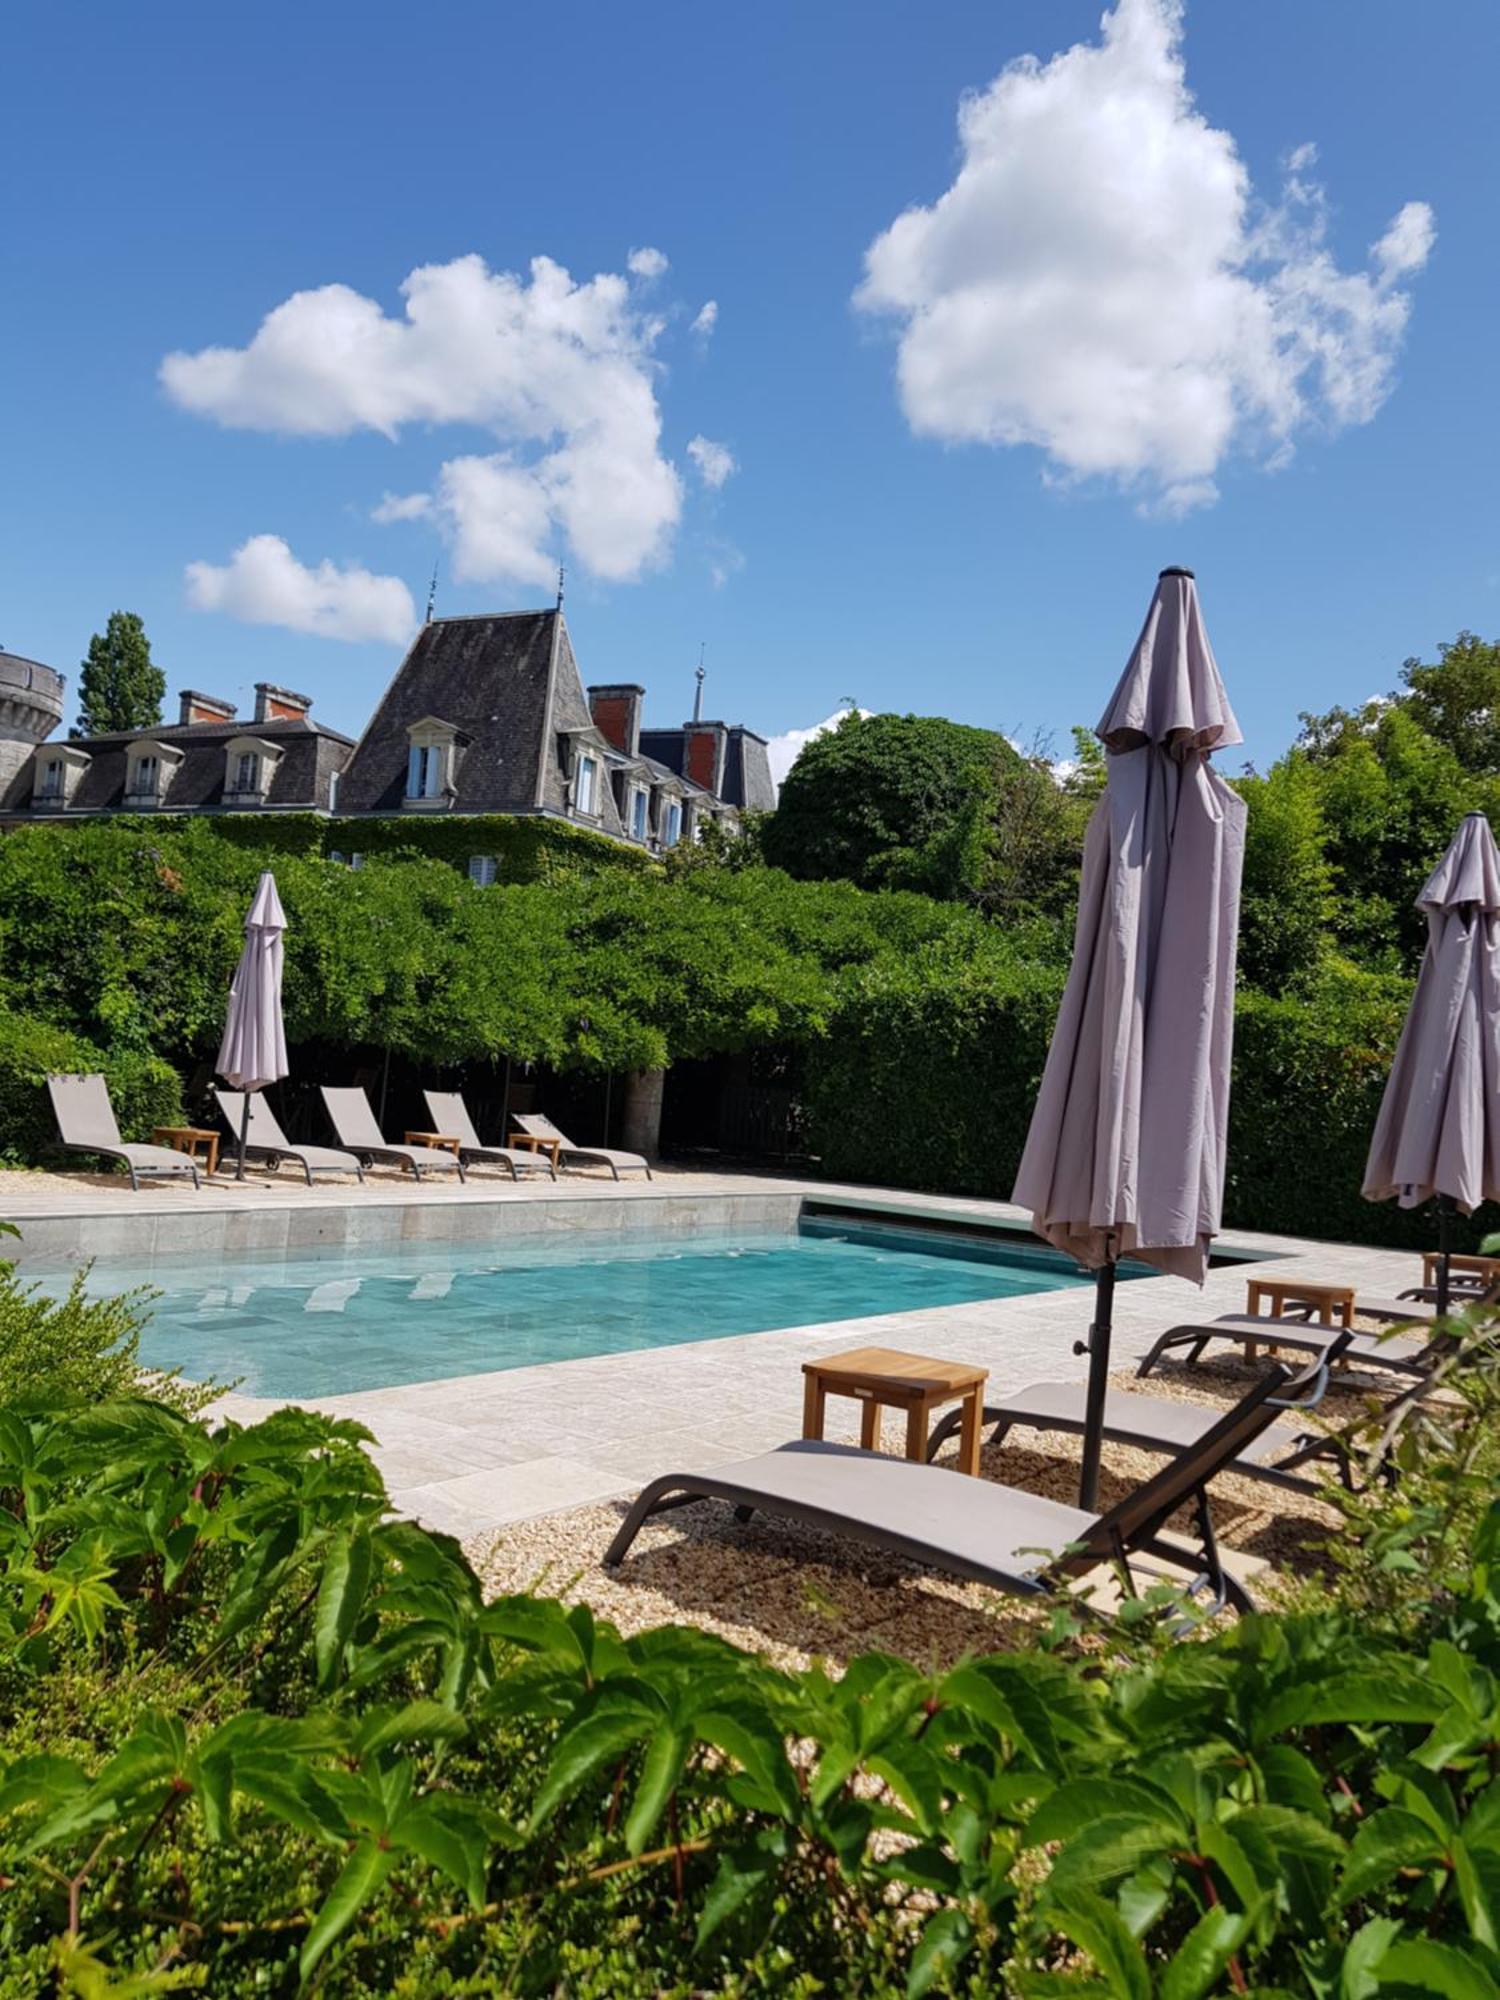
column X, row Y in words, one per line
column 1438, row 1133
column 253, row 1051
column 1125, row 1155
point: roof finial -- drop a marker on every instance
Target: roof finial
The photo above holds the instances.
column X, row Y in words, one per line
column 562, row 577
column 698, row 677
column 431, row 594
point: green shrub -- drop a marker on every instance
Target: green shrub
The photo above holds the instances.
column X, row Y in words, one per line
column 145, row 1090
column 258, row 1735
column 78, row 1349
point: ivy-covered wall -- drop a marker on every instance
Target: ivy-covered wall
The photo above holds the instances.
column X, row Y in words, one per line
column 524, row 849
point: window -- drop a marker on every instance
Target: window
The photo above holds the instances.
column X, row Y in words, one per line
column 52, row 779
column 424, row 771
column 247, row 772
column 584, row 781
column 482, row 869
column 672, row 829
column 356, row 861
column 145, row 777
column 638, row 803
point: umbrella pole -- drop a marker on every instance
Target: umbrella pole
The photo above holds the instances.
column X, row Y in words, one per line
column 239, row 1170
column 1097, row 1349
column 1445, row 1250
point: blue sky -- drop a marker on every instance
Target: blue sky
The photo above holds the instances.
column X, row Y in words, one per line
column 1120, row 310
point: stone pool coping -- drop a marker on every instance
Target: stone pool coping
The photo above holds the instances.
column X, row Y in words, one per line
column 474, row 1452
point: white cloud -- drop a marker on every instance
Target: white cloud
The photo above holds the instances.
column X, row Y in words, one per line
column 560, row 374
column 646, row 262
column 1407, row 244
column 783, row 750
column 1100, row 282
column 707, row 319
column 402, row 507
column 724, row 561
column 264, row 584
column 715, row 462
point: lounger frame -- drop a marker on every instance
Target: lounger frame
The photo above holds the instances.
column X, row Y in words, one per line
column 1132, row 1527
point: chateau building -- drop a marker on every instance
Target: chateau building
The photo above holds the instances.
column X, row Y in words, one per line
column 485, row 715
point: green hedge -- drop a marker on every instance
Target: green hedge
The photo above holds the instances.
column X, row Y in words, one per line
column 145, row 1090
column 928, row 1073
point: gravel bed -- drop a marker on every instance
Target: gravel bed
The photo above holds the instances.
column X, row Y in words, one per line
column 797, row 1593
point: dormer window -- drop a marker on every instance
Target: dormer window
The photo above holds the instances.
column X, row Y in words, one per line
column 433, row 750
column 249, row 769
column 586, row 784
column 58, row 768
column 148, row 772
column 671, row 831
column 639, row 807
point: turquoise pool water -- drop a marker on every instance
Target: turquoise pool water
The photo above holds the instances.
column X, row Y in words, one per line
column 328, row 1323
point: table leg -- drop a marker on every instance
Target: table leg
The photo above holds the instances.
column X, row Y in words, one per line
column 916, row 1431
column 968, row 1436
column 213, row 1153
column 813, row 1398
column 869, row 1425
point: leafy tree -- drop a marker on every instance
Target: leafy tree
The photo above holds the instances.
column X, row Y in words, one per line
column 1287, row 896
column 918, row 802
column 1458, row 700
column 121, row 687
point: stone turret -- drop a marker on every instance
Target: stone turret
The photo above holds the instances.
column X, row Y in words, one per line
column 31, row 707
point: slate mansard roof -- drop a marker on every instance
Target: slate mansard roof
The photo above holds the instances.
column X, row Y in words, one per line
column 510, row 685
column 310, row 757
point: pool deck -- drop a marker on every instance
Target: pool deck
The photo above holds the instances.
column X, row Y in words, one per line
column 474, row 1452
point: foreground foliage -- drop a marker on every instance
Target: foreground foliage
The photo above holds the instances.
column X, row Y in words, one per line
column 258, row 1736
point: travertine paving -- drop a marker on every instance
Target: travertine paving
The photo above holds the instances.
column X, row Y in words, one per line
column 473, row 1453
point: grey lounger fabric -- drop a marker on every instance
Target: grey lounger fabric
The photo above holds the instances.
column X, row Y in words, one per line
column 449, row 1113
column 1286, row 1454
column 974, row 1528
column 1401, row 1353
column 579, row 1156
column 265, row 1139
column 86, row 1124
column 355, row 1124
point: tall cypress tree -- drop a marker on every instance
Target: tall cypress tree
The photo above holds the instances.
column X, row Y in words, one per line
column 120, row 687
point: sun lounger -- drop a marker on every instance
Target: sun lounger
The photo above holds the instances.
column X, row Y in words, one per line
column 537, row 1127
column 1285, row 1454
column 1402, row 1354
column 265, row 1139
column 355, row 1125
column 86, row 1124
column 974, row 1528
column 449, row 1113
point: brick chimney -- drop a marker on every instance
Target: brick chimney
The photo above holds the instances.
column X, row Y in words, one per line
column 197, row 707
column 703, row 754
column 279, row 704
column 616, row 710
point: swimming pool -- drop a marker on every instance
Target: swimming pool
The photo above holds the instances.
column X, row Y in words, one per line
column 330, row 1322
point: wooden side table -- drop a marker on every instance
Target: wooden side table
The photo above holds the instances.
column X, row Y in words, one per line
column 443, row 1142
column 1465, row 1273
column 1279, row 1293
column 1325, row 1300
column 529, row 1142
column 187, row 1139
column 885, row 1378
